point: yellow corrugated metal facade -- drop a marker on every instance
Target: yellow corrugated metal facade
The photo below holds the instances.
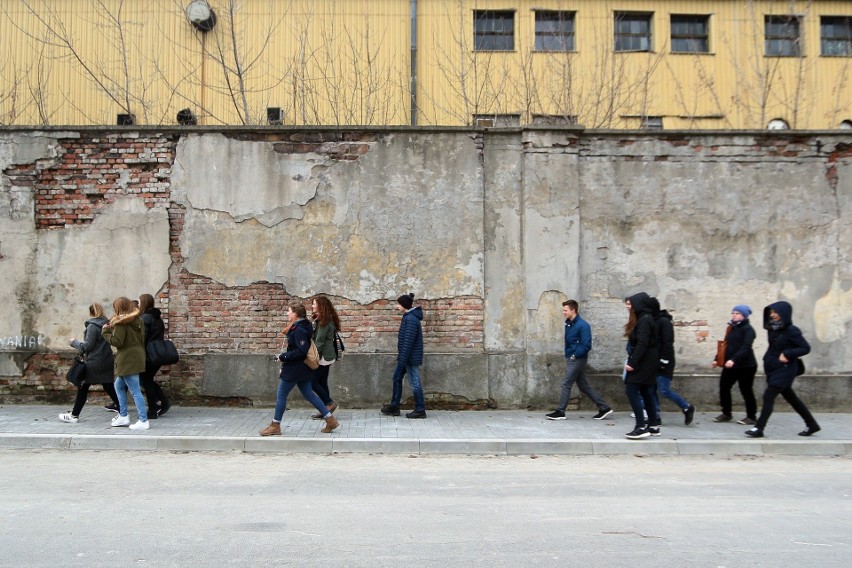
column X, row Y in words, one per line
column 349, row 62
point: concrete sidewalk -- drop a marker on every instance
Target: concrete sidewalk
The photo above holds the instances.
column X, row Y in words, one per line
column 492, row 432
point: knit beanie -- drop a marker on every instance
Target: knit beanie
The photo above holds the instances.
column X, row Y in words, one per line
column 743, row 309
column 406, row 301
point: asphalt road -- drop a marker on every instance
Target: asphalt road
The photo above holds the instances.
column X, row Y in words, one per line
column 158, row 509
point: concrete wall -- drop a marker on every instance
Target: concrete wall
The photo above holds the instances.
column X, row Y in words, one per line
column 491, row 230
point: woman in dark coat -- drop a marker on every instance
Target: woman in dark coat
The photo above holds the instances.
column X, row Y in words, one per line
column 643, row 360
column 155, row 330
column 740, row 366
column 100, row 365
column 295, row 373
column 780, row 362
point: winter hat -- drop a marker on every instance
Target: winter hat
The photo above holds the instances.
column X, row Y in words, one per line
column 743, row 309
column 406, row 301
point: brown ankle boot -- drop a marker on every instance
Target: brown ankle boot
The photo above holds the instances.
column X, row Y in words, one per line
column 274, row 429
column 330, row 424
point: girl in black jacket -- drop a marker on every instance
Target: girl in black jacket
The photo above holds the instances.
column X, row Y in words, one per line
column 740, row 366
column 643, row 360
column 786, row 345
column 155, row 330
column 99, row 363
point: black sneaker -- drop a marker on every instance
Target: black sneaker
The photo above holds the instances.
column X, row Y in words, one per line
column 556, row 415
column 754, row 433
column 166, row 405
column 416, row 414
column 603, row 414
column 111, row 407
column 689, row 415
column 654, row 430
column 638, row 434
column 390, row 410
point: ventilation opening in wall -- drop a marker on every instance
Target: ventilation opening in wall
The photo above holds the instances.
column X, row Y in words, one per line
column 274, row 115
column 496, row 120
column 125, row 119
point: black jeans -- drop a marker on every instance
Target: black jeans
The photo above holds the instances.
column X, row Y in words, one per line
column 769, row 396
column 83, row 395
column 154, row 395
column 745, row 378
column 319, row 384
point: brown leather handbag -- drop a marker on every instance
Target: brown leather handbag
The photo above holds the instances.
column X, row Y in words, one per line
column 721, row 347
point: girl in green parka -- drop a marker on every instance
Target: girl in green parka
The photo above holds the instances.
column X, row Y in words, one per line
column 126, row 332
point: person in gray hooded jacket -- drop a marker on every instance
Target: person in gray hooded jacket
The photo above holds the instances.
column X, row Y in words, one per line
column 99, row 362
column 781, row 364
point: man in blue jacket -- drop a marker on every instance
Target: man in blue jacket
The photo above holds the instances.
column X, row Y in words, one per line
column 409, row 358
column 578, row 343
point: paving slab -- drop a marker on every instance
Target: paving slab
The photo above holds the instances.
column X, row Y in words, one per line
column 488, row 432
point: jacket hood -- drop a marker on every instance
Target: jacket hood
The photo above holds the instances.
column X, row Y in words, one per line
column 127, row 318
column 783, row 309
column 641, row 303
column 154, row 312
column 97, row 321
column 416, row 312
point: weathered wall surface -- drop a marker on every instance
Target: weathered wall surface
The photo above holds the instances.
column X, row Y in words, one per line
column 492, row 230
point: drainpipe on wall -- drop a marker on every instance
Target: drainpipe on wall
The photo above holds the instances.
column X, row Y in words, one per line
column 413, row 81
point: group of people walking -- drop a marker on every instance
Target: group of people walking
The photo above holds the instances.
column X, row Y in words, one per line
column 647, row 375
column 650, row 363
column 127, row 369
column 313, row 383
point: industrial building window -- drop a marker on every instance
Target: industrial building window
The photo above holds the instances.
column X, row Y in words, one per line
column 632, row 31
column 554, row 31
column 652, row 122
column 782, row 37
column 493, row 30
column 835, row 33
column 690, row 34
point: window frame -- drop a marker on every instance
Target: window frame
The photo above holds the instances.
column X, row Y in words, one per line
column 481, row 35
column 569, row 35
column 688, row 37
column 796, row 42
column 847, row 40
column 641, row 17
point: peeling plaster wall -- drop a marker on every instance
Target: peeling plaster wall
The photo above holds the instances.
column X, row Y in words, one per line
column 405, row 216
column 492, row 230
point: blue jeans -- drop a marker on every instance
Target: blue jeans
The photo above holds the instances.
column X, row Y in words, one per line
column 130, row 382
column 413, row 372
column 284, row 388
column 643, row 397
column 664, row 388
column 575, row 371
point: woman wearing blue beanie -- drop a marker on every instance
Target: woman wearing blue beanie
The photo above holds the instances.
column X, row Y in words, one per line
column 740, row 366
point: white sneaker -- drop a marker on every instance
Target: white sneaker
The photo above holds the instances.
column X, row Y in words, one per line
column 140, row 425
column 120, row 420
column 68, row 417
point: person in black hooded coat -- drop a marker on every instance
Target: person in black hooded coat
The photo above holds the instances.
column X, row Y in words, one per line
column 155, row 330
column 780, row 362
column 643, row 360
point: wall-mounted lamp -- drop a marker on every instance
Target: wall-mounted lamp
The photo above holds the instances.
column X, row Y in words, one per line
column 186, row 117
column 201, row 15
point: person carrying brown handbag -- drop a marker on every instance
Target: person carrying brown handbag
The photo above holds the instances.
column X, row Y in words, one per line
column 739, row 367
